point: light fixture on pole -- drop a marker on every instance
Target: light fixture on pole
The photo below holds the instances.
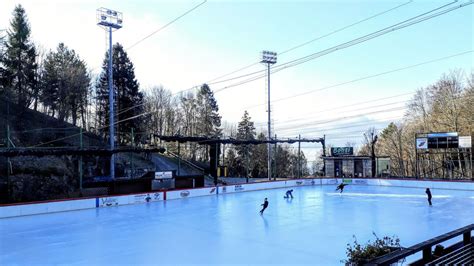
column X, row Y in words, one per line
column 110, row 20
column 269, row 58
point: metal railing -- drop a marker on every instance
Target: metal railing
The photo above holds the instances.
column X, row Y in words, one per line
column 425, row 247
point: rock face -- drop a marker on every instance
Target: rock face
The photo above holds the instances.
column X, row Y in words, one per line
column 38, row 178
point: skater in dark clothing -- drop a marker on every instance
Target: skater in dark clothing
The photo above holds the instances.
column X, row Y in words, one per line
column 428, row 192
column 265, row 205
column 341, row 187
column 289, row 194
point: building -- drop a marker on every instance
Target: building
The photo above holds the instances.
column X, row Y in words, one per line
column 342, row 163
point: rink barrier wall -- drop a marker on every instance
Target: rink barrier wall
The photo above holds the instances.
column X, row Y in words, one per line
column 190, row 193
column 23, row 209
column 46, row 207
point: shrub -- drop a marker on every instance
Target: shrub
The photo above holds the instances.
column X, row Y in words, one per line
column 358, row 254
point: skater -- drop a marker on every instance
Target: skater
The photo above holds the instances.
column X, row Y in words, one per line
column 428, row 192
column 265, row 205
column 289, row 194
column 341, row 187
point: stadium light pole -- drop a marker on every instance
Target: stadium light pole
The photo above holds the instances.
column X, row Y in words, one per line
column 110, row 20
column 269, row 58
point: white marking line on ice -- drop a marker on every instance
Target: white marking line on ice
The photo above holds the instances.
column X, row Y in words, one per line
column 387, row 195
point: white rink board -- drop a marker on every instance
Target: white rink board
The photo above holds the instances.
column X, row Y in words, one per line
column 423, row 184
column 251, row 187
column 189, row 193
column 79, row 204
column 128, row 199
column 46, row 207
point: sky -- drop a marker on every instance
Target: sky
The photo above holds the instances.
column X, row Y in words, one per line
column 219, row 37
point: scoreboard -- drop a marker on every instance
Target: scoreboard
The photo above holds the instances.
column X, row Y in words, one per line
column 443, row 140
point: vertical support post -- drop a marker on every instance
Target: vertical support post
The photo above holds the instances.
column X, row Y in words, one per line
column 427, row 254
column 223, row 154
column 416, row 157
column 324, row 155
column 8, row 158
column 179, row 158
column 111, row 108
column 299, row 156
column 269, row 159
column 472, row 169
column 274, row 160
column 466, row 238
column 81, row 144
column 246, row 163
column 216, row 163
column 132, row 170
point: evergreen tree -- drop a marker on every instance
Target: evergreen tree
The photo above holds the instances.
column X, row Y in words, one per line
column 65, row 84
column 2, row 69
column 20, row 60
column 245, row 131
column 209, row 118
column 128, row 99
column 259, row 158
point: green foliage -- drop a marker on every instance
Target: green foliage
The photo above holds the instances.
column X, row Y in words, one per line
column 19, row 74
column 64, row 84
column 208, row 113
column 128, row 97
column 358, row 254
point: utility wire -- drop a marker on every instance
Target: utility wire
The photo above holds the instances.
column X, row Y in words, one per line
column 315, row 39
column 296, row 120
column 365, row 78
column 166, row 25
column 406, row 23
column 263, row 75
column 342, row 46
column 325, row 129
column 345, row 106
column 337, row 119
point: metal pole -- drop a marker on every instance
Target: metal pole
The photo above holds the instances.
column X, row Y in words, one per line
column 111, row 108
column 216, row 163
column 274, row 160
column 324, row 155
column 246, row 163
column 472, row 169
column 299, row 156
column 269, row 162
column 132, row 170
column 179, row 158
column 416, row 158
column 8, row 158
column 80, row 160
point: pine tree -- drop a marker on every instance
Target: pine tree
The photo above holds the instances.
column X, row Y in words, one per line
column 65, row 84
column 128, row 99
column 259, row 158
column 209, row 118
column 20, row 60
column 246, row 131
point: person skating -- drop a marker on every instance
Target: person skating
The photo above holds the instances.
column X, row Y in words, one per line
column 289, row 194
column 341, row 187
column 428, row 192
column 265, row 205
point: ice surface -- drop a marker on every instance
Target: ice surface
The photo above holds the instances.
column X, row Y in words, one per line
column 313, row 228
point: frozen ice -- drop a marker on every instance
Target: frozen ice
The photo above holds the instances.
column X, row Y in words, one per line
column 313, row 228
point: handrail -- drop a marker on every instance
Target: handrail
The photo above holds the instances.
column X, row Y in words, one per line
column 424, row 246
column 186, row 161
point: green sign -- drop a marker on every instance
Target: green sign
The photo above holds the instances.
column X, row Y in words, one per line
column 340, row 151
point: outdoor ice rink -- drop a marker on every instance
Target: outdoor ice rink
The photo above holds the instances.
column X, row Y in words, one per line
column 313, row 228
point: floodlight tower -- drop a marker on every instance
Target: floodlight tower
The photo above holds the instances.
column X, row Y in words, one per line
column 269, row 58
column 110, row 20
